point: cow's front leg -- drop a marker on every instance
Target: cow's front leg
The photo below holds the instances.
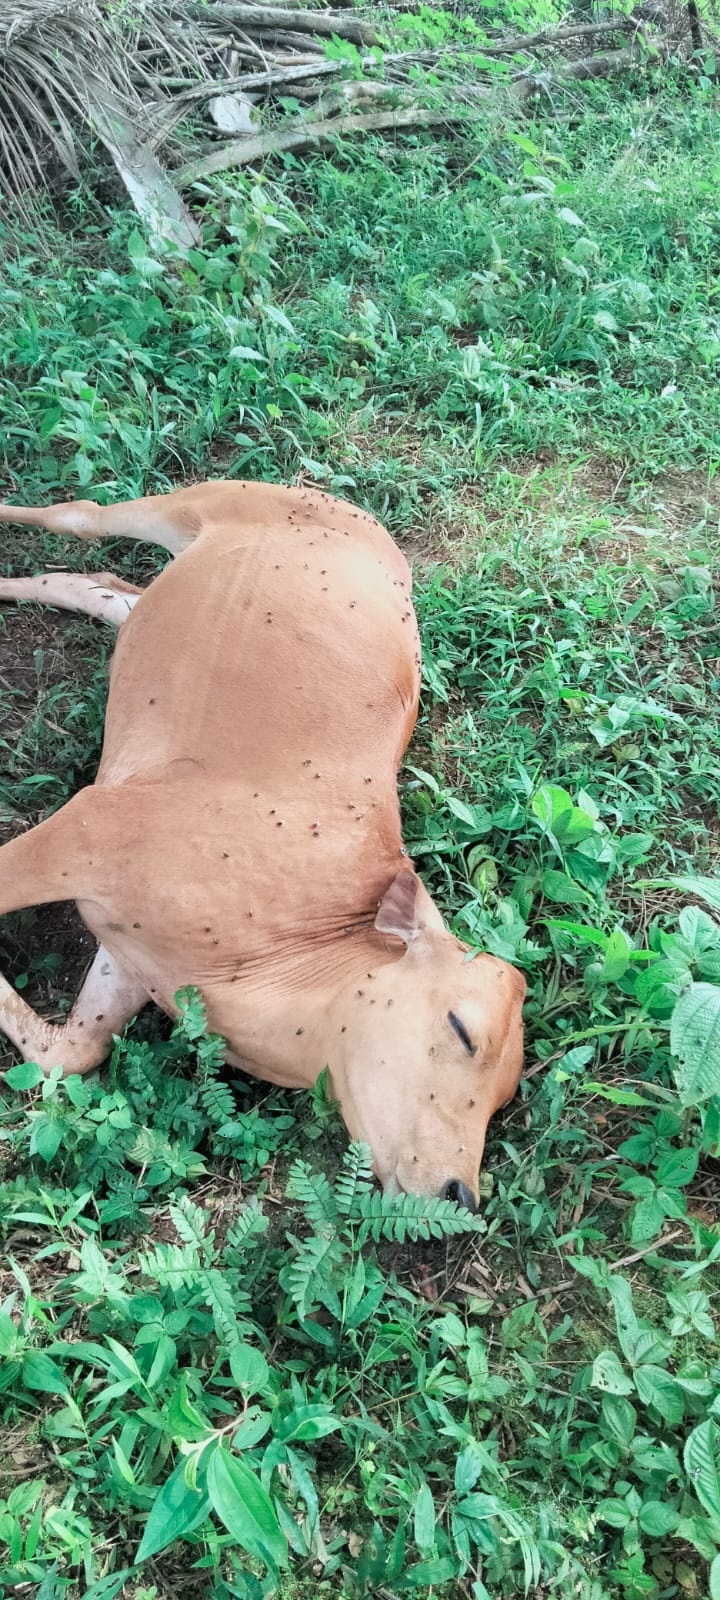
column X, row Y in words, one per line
column 108, row 999
column 65, row 858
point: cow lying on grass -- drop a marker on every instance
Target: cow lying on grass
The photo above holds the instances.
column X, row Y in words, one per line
column 243, row 831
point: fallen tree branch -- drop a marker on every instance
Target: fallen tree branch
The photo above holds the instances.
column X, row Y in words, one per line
column 306, row 135
column 273, row 17
column 605, row 65
column 556, row 36
column 298, row 136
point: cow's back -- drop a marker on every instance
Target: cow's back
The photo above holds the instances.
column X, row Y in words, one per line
column 283, row 642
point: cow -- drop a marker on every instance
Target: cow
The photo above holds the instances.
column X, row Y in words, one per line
column 243, row 833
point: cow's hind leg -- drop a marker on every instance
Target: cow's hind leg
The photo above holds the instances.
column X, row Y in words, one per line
column 97, row 594
column 107, row 1000
column 171, row 520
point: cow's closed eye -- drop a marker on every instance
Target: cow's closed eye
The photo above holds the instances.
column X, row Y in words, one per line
column 459, row 1028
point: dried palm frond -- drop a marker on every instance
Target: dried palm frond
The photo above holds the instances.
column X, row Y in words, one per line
column 45, row 48
column 63, row 71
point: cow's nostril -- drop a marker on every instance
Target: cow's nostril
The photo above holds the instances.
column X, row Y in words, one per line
column 459, row 1192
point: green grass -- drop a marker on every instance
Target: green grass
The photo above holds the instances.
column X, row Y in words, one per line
column 506, row 346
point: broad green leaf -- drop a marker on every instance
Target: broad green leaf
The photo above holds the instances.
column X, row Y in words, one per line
column 707, row 889
column 560, row 888
column 695, row 1042
column 523, row 143
column 306, row 1422
column 715, row 1579
column 549, row 805
column 617, row 957
column 467, row 1469
column 678, row 1168
column 252, row 1428
column 424, row 1521
column 618, row 1097
column 614, row 1511
column 429, row 1572
column 608, row 1374
column 701, row 1459
column 46, row 1138
column 373, row 1560
column 123, row 1465
column 657, row 1389
column 619, row 1417
column 475, row 817
column 692, row 1310
column 647, row 1219
column 245, row 1508
column 651, row 1346
column 40, row 1372
column 451, row 1330
column 26, row 1075
column 177, row 1511
column 575, row 826
column 656, row 1518
column 8, row 1334
column 695, row 1380
column 574, row 1061
column 249, row 1369
column 244, row 352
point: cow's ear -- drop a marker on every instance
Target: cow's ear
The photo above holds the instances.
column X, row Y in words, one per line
column 398, row 909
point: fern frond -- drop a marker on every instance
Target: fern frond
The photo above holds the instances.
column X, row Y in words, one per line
column 190, row 1222
column 219, row 1296
column 171, row 1266
column 355, row 1177
column 314, row 1193
column 191, row 1020
column 311, row 1269
column 211, row 1053
column 248, row 1226
column 411, row 1216
column 218, row 1103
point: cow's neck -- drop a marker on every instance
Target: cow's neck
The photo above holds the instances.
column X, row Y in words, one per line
column 287, row 1017
column 280, row 1025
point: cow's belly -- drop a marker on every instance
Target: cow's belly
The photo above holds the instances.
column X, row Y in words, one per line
column 279, row 656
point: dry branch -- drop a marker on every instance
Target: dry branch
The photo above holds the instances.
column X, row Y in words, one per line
column 323, row 23
column 604, row 65
column 556, row 37
column 308, row 135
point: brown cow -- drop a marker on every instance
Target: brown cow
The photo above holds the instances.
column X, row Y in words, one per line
column 243, row 832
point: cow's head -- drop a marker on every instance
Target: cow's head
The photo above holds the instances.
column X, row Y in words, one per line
column 430, row 1045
